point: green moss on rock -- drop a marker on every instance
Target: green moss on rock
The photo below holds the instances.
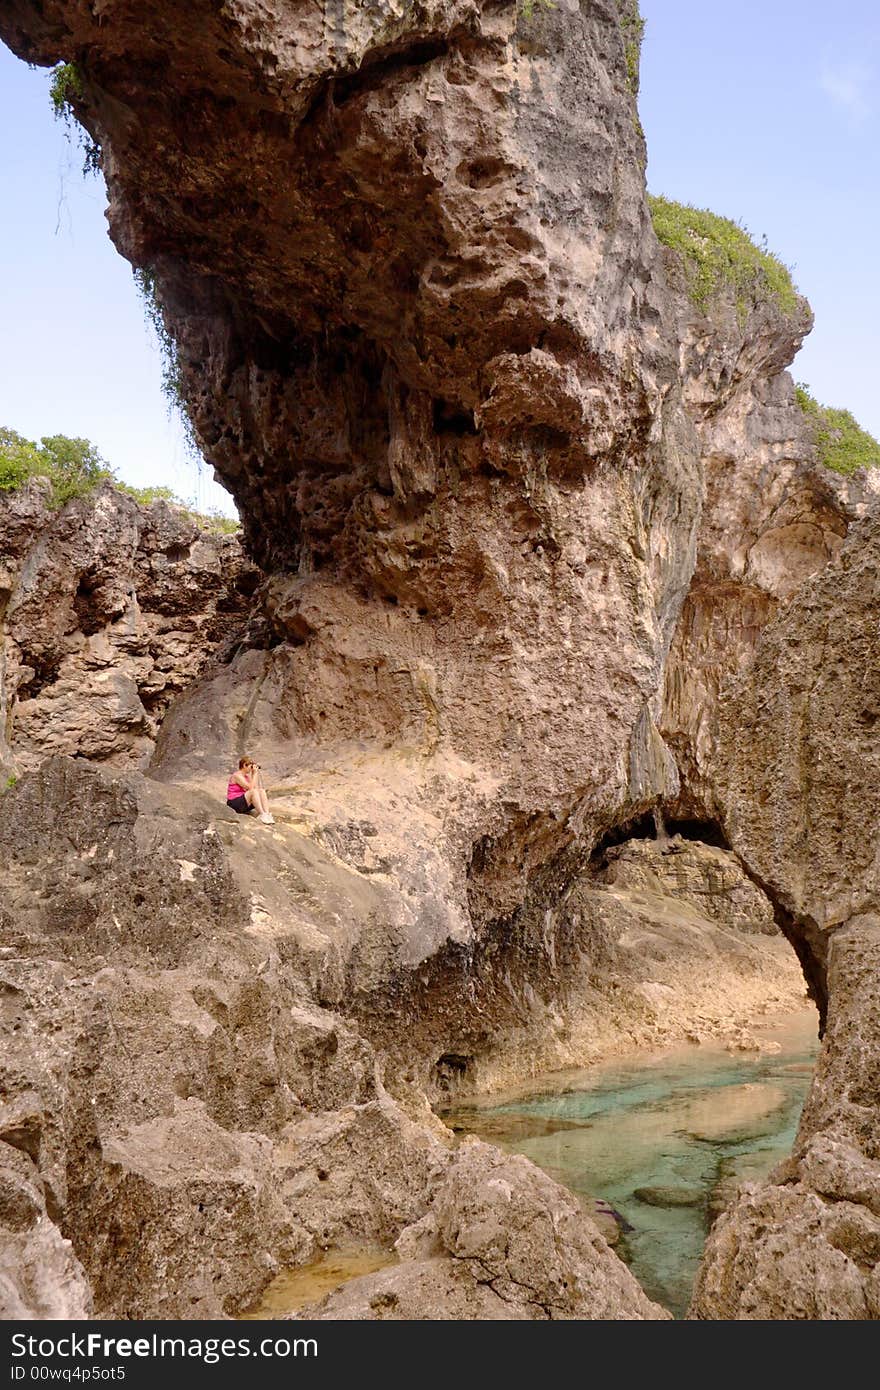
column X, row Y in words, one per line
column 841, row 442
column 718, row 254
column 66, row 92
column 633, row 26
column 65, row 86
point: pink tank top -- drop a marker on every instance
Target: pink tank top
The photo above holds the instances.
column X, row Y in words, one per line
column 234, row 790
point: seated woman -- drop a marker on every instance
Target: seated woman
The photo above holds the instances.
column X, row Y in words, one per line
column 246, row 792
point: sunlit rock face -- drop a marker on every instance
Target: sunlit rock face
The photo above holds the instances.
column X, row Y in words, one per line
column 409, row 267
column 428, row 339
column 183, row 1117
column 108, row 610
column 772, row 516
column 424, row 336
column 797, row 777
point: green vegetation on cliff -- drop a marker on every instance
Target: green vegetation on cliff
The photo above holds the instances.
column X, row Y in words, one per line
column 66, row 89
column 718, row 254
column 528, row 7
column 172, row 373
column 74, row 467
column 172, row 385
column 633, row 26
column 841, row 442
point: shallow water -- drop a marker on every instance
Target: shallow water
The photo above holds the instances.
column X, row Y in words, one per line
column 293, row 1289
column 664, row 1141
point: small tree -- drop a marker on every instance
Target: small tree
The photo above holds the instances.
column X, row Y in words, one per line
column 19, row 460
column 74, row 465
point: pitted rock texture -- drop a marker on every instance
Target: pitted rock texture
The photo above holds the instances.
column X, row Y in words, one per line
column 797, row 781
column 797, row 764
column 107, row 611
column 706, row 877
column 182, row 1116
column 449, row 277
column 424, row 336
column 430, row 342
column 772, row 515
column 806, row 1244
column 496, row 1242
column 40, row 1276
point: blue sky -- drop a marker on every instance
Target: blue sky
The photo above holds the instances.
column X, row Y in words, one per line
column 76, row 354
column 765, row 112
column 768, row 113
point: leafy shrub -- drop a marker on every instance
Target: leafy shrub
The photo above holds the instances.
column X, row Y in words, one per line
column 216, row 523
column 65, row 85
column 213, row 520
column 146, row 496
column 841, row 443
column 718, row 254
column 19, row 460
column 74, row 467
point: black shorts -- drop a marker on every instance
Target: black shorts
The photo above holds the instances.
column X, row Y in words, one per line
column 240, row 804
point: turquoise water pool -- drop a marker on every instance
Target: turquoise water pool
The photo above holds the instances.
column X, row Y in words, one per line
column 663, row 1142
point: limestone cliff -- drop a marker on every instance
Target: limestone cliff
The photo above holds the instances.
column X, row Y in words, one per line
column 107, row 611
column 773, row 515
column 181, row 1117
column 526, row 512
column 796, row 774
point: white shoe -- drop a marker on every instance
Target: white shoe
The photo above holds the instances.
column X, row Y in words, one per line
column 267, row 818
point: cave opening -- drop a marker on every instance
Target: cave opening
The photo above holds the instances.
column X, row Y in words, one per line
column 668, row 1022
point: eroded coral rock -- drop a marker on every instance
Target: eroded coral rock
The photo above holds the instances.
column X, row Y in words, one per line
column 797, row 776
column 107, row 611
column 429, row 339
column 499, row 1241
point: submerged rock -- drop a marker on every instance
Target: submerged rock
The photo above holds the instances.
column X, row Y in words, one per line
column 736, row 1170
column 671, row 1196
column 496, row 1242
column 736, row 1113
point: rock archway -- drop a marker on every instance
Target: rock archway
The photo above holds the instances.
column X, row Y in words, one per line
column 428, row 338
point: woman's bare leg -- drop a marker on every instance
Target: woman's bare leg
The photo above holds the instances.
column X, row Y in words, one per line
column 257, row 798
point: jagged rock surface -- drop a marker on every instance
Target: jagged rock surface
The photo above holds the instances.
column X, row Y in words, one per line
column 438, row 375
column 107, row 611
column 178, row 1103
column 772, row 515
column 657, row 942
column 498, row 1241
column 429, row 340
column 704, row 876
column 797, row 777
